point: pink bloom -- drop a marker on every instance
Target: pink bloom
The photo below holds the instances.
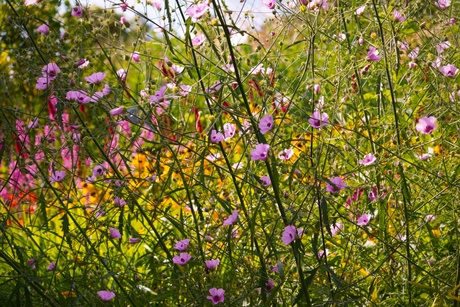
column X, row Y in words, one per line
column 442, row 46
column 121, row 73
column 82, row 63
column 50, row 70
column 51, row 266
column 156, row 4
column 134, row 240
column 266, row 124
column 364, row 219
column 260, row 152
column 106, row 90
column 198, row 40
column 289, row 234
column 336, row 228
column 114, row 233
column 182, row 244
column 217, row 295
column 117, row 111
column 361, row 41
column 430, row 218
column 57, row 176
column 360, row 10
column 231, row 219
column 368, row 160
column 266, row 181
column 77, row 11
column 316, row 88
column 123, row 21
column 373, row 55
column 106, row 295
column 43, row 29
column 318, row 120
column 286, row 154
column 197, row 10
column 212, row 264
column 336, row 185
column 414, row 53
column 426, row 125
column 269, row 3
column 442, row 4
column 182, row 259
column 42, row 83
column 229, row 130
column 216, row 137
column 30, row 2
column 95, row 78
column 117, row 201
column 136, row 56
column 397, row 16
column 449, row 70
column 79, row 96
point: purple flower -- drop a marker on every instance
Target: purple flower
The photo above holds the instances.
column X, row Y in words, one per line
column 77, row 11
column 442, row 4
column 289, row 234
column 269, row 3
column 95, row 78
column 260, row 152
column 197, row 10
column 182, row 244
column 442, row 46
column 42, row 83
column 50, row 70
column 51, row 266
column 397, row 16
column 212, row 264
column 231, row 219
column 216, row 137
column 136, row 56
column 217, row 295
column 368, row 160
column 364, row 219
column 43, row 29
column 318, row 120
column 286, row 154
column 198, row 40
column 229, row 130
column 117, row 111
column 266, row 181
column 336, row 185
column 57, row 176
column 426, row 125
column 336, row 228
column 114, row 233
column 360, row 10
column 119, row 201
column 182, row 259
column 106, row 90
column 82, row 63
column 214, row 88
column 134, row 240
column 79, row 96
column 106, row 295
column 449, row 70
column 266, row 124
column 373, row 55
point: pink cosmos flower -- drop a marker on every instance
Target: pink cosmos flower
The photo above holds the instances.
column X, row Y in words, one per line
column 156, row 4
column 79, row 96
column 77, row 11
column 217, row 295
column 43, row 29
column 106, row 295
column 82, row 63
column 117, row 111
column 30, row 2
column 182, row 259
column 266, row 181
column 57, row 176
column 42, row 83
column 123, row 20
column 117, row 201
column 136, row 56
column 50, row 70
column 318, row 120
column 134, row 240
column 266, row 123
column 197, row 10
column 289, row 234
column 106, row 90
column 95, row 78
column 336, row 228
column 182, row 244
column 336, row 185
column 198, row 40
column 212, row 264
column 216, row 137
column 114, row 233
column 286, row 154
column 260, row 152
column 426, row 125
column 316, row 88
column 368, row 160
column 373, row 55
column 449, row 70
column 269, row 3
column 364, row 219
column 231, row 219
column 397, row 16
column 51, row 266
column 360, row 10
column 121, row 73
column 229, row 130
column 442, row 4
column 442, row 46
column 431, row 217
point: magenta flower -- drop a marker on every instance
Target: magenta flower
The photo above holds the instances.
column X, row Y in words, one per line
column 368, row 160
column 229, row 130
column 360, row 10
column 95, row 78
column 134, row 240
column 114, row 233
column 442, row 46
column 182, row 244
column 106, row 90
column 364, row 219
column 260, row 152
column 266, row 124
column 77, row 11
column 442, row 4
column 289, row 234
column 79, row 96
column 336, row 185
column 217, row 295
column 182, row 259
column 397, row 16
column 318, row 120
column 117, row 111
column 43, row 29
column 266, row 181
column 57, row 176
column 336, row 228
column 286, row 154
column 82, row 63
column 136, row 56
column 212, row 264
column 216, row 137
column 426, row 125
column 50, row 70
column 198, row 40
column 119, row 201
column 316, row 88
column 106, row 295
column 42, row 83
column 231, row 219
column 51, row 266
column 197, row 10
column 373, row 55
column 449, row 70
column 269, row 3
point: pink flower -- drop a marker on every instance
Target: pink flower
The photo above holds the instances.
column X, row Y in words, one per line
column 43, row 29
column 318, row 120
column 336, row 185
column 77, row 11
column 197, row 10
column 368, row 160
column 50, row 70
column 266, row 124
column 106, row 90
column 316, row 88
column 106, row 295
column 114, row 233
column 57, row 176
column 42, row 83
column 123, row 21
column 229, row 130
column 136, row 56
column 156, row 4
column 373, row 55
column 82, row 63
column 117, row 201
column 360, row 10
column 397, row 16
column 231, row 219
column 121, row 73
column 217, row 295
column 117, row 111
column 336, row 228
column 51, row 266
column 134, row 240
column 198, row 40
column 182, row 244
column 364, row 219
column 289, row 234
column 449, row 70
column 266, row 181
column 442, row 46
column 260, row 152
column 182, row 259
column 269, row 3
column 216, row 137
column 95, row 78
column 30, row 2
column 426, row 125
column 286, row 154
column 212, row 264
column 442, row 4
column 79, row 96
column 430, row 218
